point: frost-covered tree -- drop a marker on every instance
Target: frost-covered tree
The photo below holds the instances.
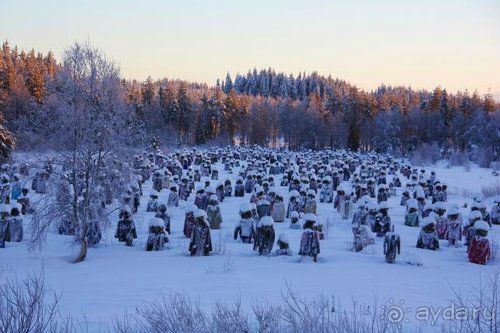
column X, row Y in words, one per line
column 215, row 114
column 89, row 121
column 35, row 80
column 231, row 116
column 185, row 109
column 168, row 104
column 200, row 135
column 228, row 84
column 148, row 91
column 7, row 141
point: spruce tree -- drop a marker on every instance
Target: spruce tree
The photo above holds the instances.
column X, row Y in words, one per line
column 231, row 115
column 169, row 107
column 7, row 141
column 147, row 91
column 184, row 112
column 228, row 85
column 200, row 134
column 35, row 80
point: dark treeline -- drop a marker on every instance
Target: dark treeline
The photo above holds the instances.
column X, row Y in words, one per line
column 264, row 107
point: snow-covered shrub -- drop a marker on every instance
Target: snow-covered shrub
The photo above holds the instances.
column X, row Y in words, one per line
column 267, row 317
column 459, row 159
column 483, row 156
column 426, row 154
column 323, row 314
column 220, row 242
column 466, row 193
column 229, row 317
column 173, row 313
column 228, row 265
column 483, row 300
column 25, row 306
column 490, row 190
column 178, row 313
column 123, row 324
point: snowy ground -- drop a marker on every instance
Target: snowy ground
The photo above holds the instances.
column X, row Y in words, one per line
column 115, row 278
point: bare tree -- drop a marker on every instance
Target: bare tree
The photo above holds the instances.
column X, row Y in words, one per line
column 89, row 122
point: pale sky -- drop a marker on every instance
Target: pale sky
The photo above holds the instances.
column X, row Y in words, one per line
column 419, row 43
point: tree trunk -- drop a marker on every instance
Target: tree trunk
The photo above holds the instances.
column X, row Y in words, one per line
column 83, row 250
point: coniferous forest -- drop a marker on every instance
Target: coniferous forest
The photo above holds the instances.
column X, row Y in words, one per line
column 263, row 106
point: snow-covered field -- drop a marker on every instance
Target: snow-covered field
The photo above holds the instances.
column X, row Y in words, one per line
column 115, row 278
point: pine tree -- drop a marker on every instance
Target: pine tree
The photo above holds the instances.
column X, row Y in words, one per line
column 184, row 112
column 466, row 107
column 200, row 135
column 9, row 68
column 35, row 81
column 228, row 85
column 239, row 84
column 232, row 114
column 50, row 64
column 7, row 141
column 147, row 91
column 169, row 104
column 489, row 104
column 283, row 88
column 254, row 83
column 3, row 87
column 435, row 102
column 215, row 114
column 353, row 114
column 264, row 83
column 445, row 109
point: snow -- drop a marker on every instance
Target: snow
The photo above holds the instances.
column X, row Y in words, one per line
column 156, row 222
column 266, row 221
column 427, row 220
column 115, row 278
column 411, row 258
column 284, row 238
column 481, row 225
